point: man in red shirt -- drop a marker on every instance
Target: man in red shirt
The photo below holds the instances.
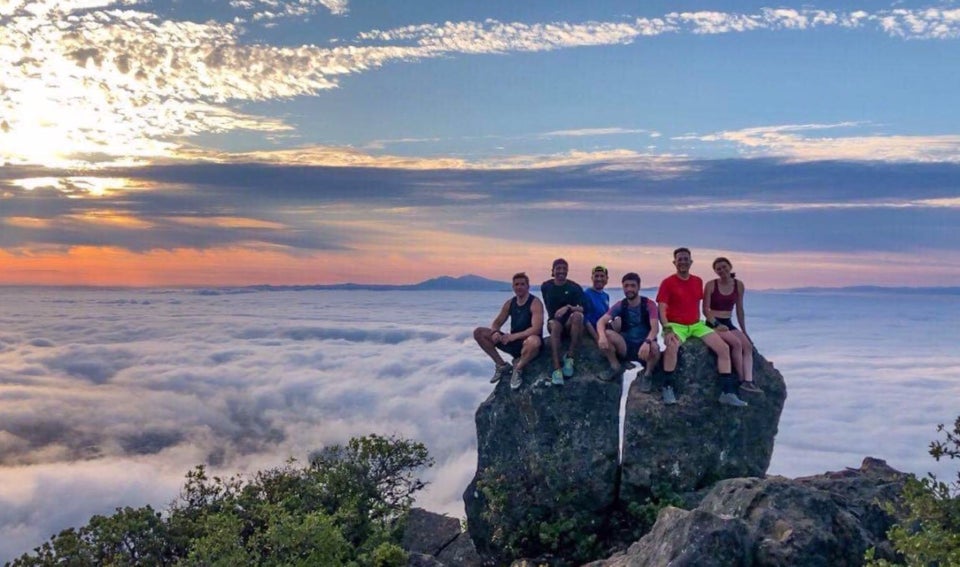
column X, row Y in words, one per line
column 678, row 299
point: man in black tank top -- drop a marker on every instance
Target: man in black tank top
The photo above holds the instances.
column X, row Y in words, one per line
column 523, row 342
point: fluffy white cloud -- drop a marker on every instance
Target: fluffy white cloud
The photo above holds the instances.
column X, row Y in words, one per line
column 108, row 397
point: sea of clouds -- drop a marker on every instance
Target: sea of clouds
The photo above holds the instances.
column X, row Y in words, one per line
column 108, row 397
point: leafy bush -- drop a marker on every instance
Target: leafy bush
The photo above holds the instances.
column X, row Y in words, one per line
column 344, row 508
column 929, row 532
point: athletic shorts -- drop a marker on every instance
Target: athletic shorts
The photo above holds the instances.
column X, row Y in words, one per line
column 684, row 332
column 633, row 353
column 726, row 321
column 563, row 319
column 512, row 348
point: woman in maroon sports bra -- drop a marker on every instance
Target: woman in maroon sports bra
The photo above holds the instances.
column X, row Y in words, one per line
column 720, row 297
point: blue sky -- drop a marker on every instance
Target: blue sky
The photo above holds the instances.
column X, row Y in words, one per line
column 252, row 141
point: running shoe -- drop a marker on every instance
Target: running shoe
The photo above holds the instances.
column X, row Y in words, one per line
column 500, row 372
column 556, row 378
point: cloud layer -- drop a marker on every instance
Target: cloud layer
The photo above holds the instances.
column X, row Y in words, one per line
column 108, row 397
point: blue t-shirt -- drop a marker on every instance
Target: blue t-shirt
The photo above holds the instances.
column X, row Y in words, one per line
column 597, row 303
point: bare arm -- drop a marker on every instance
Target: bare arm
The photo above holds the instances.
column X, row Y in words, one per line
column 536, row 321
column 707, row 311
column 501, row 317
column 654, row 328
column 741, row 316
column 662, row 307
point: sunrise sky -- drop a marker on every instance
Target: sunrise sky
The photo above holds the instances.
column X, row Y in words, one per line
column 176, row 142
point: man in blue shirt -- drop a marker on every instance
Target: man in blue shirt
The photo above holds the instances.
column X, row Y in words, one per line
column 597, row 300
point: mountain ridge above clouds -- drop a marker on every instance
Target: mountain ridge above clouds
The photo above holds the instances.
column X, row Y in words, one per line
column 469, row 282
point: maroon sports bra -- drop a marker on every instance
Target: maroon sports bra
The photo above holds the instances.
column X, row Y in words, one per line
column 720, row 302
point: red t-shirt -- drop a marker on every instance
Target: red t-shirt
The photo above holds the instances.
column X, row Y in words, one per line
column 682, row 298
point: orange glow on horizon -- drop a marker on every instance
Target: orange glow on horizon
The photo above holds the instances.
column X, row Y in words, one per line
column 427, row 255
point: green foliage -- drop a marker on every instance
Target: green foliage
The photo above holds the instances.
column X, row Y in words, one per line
column 345, row 508
column 644, row 513
column 929, row 531
column 563, row 529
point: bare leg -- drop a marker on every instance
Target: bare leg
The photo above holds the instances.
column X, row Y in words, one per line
column 592, row 331
column 575, row 326
column 670, row 355
column 616, row 349
column 719, row 347
column 483, row 336
column 736, row 351
column 653, row 357
column 556, row 339
column 531, row 347
column 747, row 355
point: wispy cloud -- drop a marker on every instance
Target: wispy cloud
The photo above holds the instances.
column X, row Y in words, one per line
column 138, row 86
column 275, row 9
column 581, row 132
column 791, row 142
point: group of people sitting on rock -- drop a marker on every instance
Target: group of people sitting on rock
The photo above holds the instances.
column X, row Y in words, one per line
column 626, row 332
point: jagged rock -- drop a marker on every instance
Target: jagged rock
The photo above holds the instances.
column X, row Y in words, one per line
column 460, row 553
column 829, row 519
column 547, row 463
column 428, row 533
column 693, row 444
column 423, row 560
column 688, row 539
column 434, row 540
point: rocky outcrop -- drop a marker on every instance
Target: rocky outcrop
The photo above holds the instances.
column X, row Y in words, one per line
column 546, row 465
column 434, row 540
column 549, row 485
column 829, row 519
column 691, row 445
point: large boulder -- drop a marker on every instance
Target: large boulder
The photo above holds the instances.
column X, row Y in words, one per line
column 829, row 519
column 547, row 464
column 549, row 485
column 672, row 450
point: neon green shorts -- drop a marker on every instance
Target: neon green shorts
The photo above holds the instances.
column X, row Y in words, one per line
column 684, row 332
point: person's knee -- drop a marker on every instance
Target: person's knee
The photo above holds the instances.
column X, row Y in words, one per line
column 576, row 318
column 480, row 333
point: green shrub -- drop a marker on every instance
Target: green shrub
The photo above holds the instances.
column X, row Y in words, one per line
column 928, row 533
column 344, row 508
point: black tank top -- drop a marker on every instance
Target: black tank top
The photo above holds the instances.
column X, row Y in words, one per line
column 521, row 318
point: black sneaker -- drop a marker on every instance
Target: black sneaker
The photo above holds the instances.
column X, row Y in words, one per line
column 500, row 372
